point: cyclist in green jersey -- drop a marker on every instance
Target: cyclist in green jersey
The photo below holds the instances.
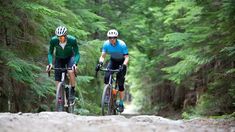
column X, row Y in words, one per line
column 66, row 55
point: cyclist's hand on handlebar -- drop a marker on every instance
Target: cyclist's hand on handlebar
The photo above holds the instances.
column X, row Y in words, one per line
column 74, row 67
column 98, row 66
column 48, row 68
column 122, row 68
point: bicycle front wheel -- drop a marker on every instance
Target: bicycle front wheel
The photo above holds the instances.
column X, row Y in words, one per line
column 106, row 101
column 59, row 104
column 71, row 103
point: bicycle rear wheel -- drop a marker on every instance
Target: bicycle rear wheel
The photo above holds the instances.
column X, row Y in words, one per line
column 106, row 101
column 59, row 105
column 114, row 107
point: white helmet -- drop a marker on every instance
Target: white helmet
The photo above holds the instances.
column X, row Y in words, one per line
column 112, row 33
column 61, row 30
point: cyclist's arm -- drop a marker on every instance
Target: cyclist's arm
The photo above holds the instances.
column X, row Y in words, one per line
column 76, row 52
column 102, row 57
column 126, row 56
column 103, row 54
column 50, row 52
column 126, row 59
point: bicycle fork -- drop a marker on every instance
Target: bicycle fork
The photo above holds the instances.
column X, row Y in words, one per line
column 68, row 94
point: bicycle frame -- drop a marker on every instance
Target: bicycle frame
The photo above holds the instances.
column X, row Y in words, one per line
column 111, row 76
column 63, row 91
column 111, row 97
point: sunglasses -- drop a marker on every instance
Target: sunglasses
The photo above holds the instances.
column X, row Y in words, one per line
column 112, row 37
column 63, row 36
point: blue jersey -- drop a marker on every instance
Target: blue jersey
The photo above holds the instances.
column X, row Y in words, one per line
column 120, row 47
column 116, row 52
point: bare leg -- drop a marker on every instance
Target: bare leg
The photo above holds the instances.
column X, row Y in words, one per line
column 56, row 83
column 121, row 106
column 121, row 93
column 72, row 78
column 72, row 83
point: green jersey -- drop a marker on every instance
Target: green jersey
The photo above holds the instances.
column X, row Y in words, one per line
column 70, row 49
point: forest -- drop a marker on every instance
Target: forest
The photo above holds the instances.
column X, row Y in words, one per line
column 181, row 54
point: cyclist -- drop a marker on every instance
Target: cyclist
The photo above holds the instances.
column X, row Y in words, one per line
column 66, row 54
column 118, row 60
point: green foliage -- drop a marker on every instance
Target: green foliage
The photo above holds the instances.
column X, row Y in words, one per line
column 227, row 116
column 22, row 71
column 27, row 73
column 89, row 108
column 190, row 114
column 172, row 44
column 32, row 27
column 88, row 88
column 177, row 41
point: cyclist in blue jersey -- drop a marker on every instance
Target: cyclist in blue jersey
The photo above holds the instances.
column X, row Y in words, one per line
column 118, row 60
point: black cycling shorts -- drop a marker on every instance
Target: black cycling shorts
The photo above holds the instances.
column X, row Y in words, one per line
column 63, row 63
column 120, row 76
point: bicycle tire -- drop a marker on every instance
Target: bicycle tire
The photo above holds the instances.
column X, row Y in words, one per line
column 112, row 104
column 106, row 106
column 70, row 103
column 71, row 109
column 114, row 107
column 59, row 104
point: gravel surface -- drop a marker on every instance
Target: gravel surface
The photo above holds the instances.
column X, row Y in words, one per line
column 64, row 122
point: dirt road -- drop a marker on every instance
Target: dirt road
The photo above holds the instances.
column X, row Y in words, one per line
column 64, row 122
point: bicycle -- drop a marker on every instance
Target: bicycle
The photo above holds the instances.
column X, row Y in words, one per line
column 63, row 92
column 109, row 104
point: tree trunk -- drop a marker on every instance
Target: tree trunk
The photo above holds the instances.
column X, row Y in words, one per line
column 179, row 97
